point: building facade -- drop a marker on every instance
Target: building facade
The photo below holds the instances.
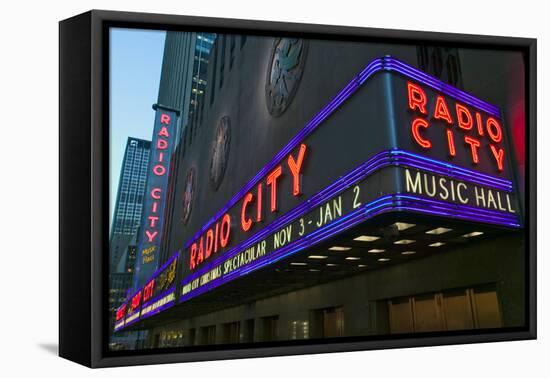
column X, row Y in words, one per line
column 129, row 199
column 407, row 269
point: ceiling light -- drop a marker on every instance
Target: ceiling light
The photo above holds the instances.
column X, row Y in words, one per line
column 401, row 226
column 438, row 231
column 472, row 234
column 376, row 250
column 338, row 248
column 366, row 238
column 437, row 244
column 298, row 263
column 314, row 270
column 332, row 264
column 353, row 258
column 408, row 252
column 317, row 257
column 383, row 259
column 404, row 241
column 361, row 266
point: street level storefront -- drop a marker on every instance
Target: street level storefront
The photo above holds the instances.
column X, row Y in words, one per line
column 394, row 209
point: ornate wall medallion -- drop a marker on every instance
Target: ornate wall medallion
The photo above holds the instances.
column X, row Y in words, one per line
column 188, row 195
column 220, row 152
column 284, row 73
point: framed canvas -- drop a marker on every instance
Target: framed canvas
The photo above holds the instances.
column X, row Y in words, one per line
column 234, row 188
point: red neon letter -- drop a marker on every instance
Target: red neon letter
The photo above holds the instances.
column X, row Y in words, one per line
column 209, row 242
column 442, row 111
column 499, row 157
column 451, row 142
column 225, row 228
column 474, row 145
column 295, row 168
column 159, row 170
column 494, row 130
column 162, row 144
column 462, row 112
column 151, row 235
column 200, row 252
column 417, row 97
column 165, row 118
column 193, row 256
column 164, row 132
column 155, row 193
column 246, row 223
column 479, row 124
column 259, row 204
column 152, row 220
column 417, row 123
column 272, row 182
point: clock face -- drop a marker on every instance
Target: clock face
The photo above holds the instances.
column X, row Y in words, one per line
column 220, row 152
column 188, row 195
column 284, row 73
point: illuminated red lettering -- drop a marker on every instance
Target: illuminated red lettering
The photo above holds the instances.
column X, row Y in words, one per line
column 272, row 182
column 200, row 252
column 209, row 243
column 442, row 111
column 416, row 125
column 259, row 216
column 295, row 168
column 498, row 154
column 162, row 144
column 151, row 235
column 417, row 98
column 165, row 119
column 159, row 170
column 474, row 145
column 164, row 132
column 155, row 193
column 148, row 290
column 479, row 124
column 464, row 117
column 225, row 228
column 246, row 222
column 193, row 256
column 494, row 130
column 216, row 237
column 152, row 220
column 451, row 143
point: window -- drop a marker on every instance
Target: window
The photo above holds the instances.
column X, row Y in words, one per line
column 270, row 328
column 208, row 335
column 214, row 70
column 473, row 308
column 230, row 333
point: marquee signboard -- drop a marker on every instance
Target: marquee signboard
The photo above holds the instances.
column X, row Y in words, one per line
column 425, row 147
column 158, row 294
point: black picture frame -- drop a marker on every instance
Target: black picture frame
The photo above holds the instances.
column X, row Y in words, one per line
column 83, row 180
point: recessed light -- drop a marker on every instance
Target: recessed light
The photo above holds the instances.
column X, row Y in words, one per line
column 298, row 263
column 332, row 264
column 338, row 248
column 361, row 266
column 353, row 258
column 439, row 231
column 408, row 252
column 314, row 270
column 437, row 244
column 383, row 259
column 404, row 241
column 366, row 238
column 376, row 250
column 472, row 234
column 401, row 226
column 317, row 257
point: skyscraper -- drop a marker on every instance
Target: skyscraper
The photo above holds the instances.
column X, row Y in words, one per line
column 129, row 199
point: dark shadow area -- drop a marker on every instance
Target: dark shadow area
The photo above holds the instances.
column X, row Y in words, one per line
column 52, row 348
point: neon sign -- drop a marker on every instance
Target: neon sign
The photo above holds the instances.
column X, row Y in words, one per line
column 251, row 209
column 475, row 128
